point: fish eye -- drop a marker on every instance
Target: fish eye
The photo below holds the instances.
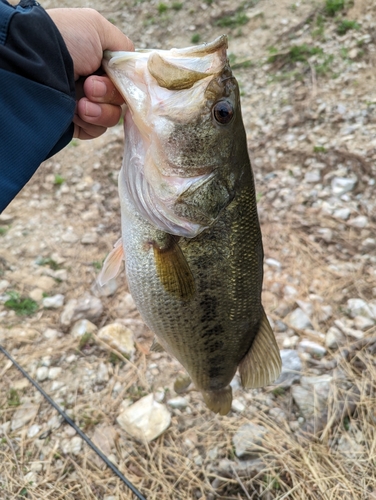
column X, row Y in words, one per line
column 223, row 112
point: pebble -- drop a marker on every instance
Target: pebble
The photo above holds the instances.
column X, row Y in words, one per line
column 360, row 222
column 89, row 239
column 299, row 319
column 291, row 368
column 178, row 402
column 54, row 302
column 342, row 213
column 145, row 420
column 342, row 185
column 54, row 372
column 119, row 337
column 87, row 306
column 42, row 373
column 23, row 415
column 33, row 430
column 46, row 283
column 277, row 415
column 70, row 237
column 243, row 468
column 102, row 374
column 311, row 347
column 51, row 334
column 334, row 338
column 369, row 244
column 359, row 307
column 248, row 440
column 81, row 327
column 273, row 263
column 363, row 323
column 72, row 445
column 237, row 406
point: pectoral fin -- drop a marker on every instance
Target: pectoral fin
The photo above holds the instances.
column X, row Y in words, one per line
column 173, row 269
column 156, row 346
column 262, row 364
column 112, row 263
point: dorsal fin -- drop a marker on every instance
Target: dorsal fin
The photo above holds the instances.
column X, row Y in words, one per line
column 112, row 263
column 262, row 364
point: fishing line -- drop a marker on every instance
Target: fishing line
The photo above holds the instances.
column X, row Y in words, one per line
column 82, row 435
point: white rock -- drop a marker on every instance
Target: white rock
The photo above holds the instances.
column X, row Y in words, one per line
column 54, row 372
column 342, row 185
column 363, row 323
column 361, row 221
column 33, row 430
column 88, row 307
column 312, row 176
column 289, row 291
column 179, row 402
column 69, row 237
column 89, row 238
column 146, row 419
column 51, row 334
column 342, row 213
column 248, row 440
column 71, row 445
column 126, row 306
column 299, row 319
column 278, row 415
column 291, row 368
column 42, row 373
column 273, row 263
column 54, row 302
column 120, row 337
column 24, row 415
column 326, row 234
column 359, row 307
column 30, row 478
column 312, row 348
column 54, row 422
column 334, row 338
column 81, row 327
column 237, row 406
column 102, row 374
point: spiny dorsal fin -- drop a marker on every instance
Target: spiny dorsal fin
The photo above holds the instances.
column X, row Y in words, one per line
column 173, row 269
column 112, row 263
column 170, row 76
column 156, row 346
column 262, row 364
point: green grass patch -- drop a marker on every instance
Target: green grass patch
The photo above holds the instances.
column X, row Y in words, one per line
column 195, row 38
column 162, row 8
column 13, row 398
column 332, row 7
column 233, row 21
column 177, row 5
column 3, row 230
column 59, row 180
column 346, row 25
column 319, row 149
column 85, row 340
column 23, row 306
column 47, row 261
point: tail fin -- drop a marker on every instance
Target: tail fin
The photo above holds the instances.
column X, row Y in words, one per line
column 219, row 401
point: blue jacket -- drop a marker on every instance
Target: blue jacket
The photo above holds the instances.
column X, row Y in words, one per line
column 37, row 94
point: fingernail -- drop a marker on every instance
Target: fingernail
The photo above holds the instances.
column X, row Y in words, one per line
column 93, row 110
column 99, row 88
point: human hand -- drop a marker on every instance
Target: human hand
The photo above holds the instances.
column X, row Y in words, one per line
column 87, row 34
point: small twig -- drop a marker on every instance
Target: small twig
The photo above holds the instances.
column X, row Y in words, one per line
column 240, row 482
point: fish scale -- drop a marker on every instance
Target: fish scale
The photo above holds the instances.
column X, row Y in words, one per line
column 194, row 256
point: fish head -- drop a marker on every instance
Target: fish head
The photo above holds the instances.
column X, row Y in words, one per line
column 184, row 133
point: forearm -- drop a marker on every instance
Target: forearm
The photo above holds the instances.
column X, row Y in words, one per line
column 37, row 94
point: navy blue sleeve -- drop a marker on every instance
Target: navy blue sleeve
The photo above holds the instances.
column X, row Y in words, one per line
column 37, row 94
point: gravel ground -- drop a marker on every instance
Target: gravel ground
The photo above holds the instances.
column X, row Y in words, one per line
column 308, row 84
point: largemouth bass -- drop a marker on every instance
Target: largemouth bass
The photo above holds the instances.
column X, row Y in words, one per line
column 190, row 230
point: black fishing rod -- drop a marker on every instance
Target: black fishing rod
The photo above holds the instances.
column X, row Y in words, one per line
column 82, row 435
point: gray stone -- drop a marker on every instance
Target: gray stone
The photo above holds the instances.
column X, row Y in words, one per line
column 102, row 374
column 361, row 222
column 342, row 185
column 237, row 406
column 53, row 302
column 24, row 415
column 81, row 327
column 312, row 348
column 243, row 468
column 363, row 323
column 342, row 213
column 273, row 263
column 89, row 239
column 291, row 368
column 299, row 319
column 72, row 445
column 312, row 395
column 369, row 244
column 145, row 420
column 248, row 440
column 33, row 431
column 70, row 237
column 334, row 338
column 359, row 307
column 51, row 334
column 88, row 307
column 304, row 400
column 277, row 415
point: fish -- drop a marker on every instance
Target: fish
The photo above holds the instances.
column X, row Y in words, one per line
column 191, row 238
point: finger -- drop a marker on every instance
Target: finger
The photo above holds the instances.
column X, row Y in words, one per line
column 104, row 115
column 112, row 38
column 101, row 89
column 84, row 130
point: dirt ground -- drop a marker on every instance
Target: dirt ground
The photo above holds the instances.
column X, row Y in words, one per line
column 308, row 90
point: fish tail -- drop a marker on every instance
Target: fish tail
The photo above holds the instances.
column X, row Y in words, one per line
column 219, row 401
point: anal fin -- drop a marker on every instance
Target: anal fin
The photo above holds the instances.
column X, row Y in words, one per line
column 218, row 401
column 182, row 383
column 262, row 364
